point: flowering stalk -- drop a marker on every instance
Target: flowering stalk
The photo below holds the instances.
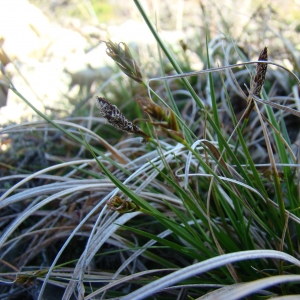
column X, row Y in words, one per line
column 167, row 121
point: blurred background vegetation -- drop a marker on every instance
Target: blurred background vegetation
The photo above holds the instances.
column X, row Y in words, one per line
column 52, row 50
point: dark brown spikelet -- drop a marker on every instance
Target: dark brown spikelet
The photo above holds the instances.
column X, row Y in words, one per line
column 115, row 118
column 258, row 81
column 261, row 70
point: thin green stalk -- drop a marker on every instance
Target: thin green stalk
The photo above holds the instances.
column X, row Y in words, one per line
column 213, row 97
column 192, row 92
column 187, row 132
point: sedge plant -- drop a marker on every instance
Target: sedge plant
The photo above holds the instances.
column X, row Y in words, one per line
column 185, row 211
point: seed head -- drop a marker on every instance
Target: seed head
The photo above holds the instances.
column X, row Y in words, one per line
column 261, row 70
column 258, row 81
column 122, row 206
column 120, row 53
column 115, row 118
column 152, row 109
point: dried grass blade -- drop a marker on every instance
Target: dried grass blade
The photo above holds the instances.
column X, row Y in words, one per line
column 278, row 106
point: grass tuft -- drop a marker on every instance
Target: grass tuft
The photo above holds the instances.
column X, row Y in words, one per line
column 208, row 207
